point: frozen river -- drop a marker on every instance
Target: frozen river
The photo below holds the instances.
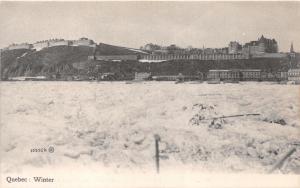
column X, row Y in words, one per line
column 111, row 126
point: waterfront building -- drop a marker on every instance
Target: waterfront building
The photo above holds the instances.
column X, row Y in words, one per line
column 140, row 76
column 251, row 74
column 223, row 75
column 294, row 75
column 283, row 76
column 234, row 74
column 165, row 77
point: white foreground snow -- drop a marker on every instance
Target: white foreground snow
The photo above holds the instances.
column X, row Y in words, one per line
column 110, row 126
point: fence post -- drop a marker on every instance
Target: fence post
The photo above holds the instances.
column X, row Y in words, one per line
column 157, row 139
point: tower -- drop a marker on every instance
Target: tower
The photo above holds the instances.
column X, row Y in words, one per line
column 292, row 55
column 292, row 48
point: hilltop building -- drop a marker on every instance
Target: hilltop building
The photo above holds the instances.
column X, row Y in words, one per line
column 19, row 46
column 59, row 42
column 40, row 45
column 151, row 47
column 83, row 42
column 234, row 47
column 262, row 45
column 221, row 50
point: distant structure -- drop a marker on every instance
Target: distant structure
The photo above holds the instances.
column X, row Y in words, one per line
column 141, row 76
column 205, row 56
column 292, row 48
column 261, row 48
column 234, row 47
column 59, row 42
column 84, row 42
column 294, row 75
column 223, row 75
column 292, row 53
column 39, row 45
column 262, row 45
column 151, row 47
column 19, row 46
column 235, row 75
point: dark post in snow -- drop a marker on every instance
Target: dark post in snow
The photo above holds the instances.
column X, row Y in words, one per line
column 157, row 139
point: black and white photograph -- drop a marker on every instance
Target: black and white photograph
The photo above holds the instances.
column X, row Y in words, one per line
column 150, row 94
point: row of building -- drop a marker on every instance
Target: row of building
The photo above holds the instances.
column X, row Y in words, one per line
column 52, row 42
column 167, row 57
column 228, row 75
column 259, row 46
column 254, row 75
column 235, row 75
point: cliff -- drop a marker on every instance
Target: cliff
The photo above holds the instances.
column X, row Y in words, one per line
column 59, row 59
column 73, row 60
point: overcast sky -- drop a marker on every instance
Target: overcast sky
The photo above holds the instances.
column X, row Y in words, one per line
column 133, row 24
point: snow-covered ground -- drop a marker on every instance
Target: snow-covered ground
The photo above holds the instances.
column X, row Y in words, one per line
column 111, row 125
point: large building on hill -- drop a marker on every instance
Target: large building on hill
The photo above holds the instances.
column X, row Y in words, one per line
column 262, row 45
column 83, row 42
column 151, row 47
column 59, row 42
column 234, row 47
column 40, row 45
column 52, row 42
column 19, row 46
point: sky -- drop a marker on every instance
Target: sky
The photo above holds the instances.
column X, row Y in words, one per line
column 134, row 24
